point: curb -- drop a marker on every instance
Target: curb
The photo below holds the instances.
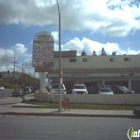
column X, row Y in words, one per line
column 68, row 115
column 28, row 106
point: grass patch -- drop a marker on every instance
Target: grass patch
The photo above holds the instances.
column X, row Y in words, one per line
column 84, row 106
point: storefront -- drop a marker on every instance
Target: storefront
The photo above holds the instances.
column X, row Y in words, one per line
column 93, row 71
column 94, row 80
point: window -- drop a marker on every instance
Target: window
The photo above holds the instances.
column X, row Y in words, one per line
column 73, row 60
column 113, row 59
column 85, row 59
column 127, row 59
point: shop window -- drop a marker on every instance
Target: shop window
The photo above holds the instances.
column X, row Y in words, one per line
column 85, row 59
column 127, row 59
column 113, row 59
column 73, row 60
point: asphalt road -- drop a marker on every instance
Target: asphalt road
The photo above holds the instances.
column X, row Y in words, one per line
column 5, row 93
column 65, row 128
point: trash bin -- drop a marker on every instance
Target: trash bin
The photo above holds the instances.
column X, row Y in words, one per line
column 65, row 104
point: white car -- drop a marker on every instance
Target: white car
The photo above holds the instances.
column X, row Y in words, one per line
column 1, row 88
column 79, row 89
column 105, row 91
column 55, row 89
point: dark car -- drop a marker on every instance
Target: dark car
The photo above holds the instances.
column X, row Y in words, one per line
column 120, row 90
column 136, row 111
column 17, row 92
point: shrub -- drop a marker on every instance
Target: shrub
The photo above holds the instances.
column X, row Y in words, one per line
column 6, row 85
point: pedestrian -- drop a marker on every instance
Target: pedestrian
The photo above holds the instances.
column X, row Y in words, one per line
column 24, row 91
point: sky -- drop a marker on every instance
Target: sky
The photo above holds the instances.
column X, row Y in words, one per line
column 88, row 25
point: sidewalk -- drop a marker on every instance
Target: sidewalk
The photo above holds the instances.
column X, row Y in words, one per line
column 13, row 106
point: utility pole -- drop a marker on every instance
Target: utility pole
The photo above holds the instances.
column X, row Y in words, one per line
column 29, row 76
column 14, row 70
column 60, row 66
column 22, row 76
column 34, row 78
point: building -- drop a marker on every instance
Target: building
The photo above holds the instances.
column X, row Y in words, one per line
column 97, row 70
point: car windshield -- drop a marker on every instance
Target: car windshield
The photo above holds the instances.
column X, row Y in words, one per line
column 105, row 90
column 125, row 88
column 79, row 87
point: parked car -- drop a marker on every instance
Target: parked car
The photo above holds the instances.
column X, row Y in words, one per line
column 104, row 86
column 28, row 90
column 121, row 90
column 79, row 89
column 55, row 89
column 136, row 111
column 105, row 91
column 17, row 92
column 126, row 89
column 49, row 88
column 1, row 88
column 33, row 89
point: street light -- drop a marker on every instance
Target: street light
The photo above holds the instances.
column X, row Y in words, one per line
column 60, row 67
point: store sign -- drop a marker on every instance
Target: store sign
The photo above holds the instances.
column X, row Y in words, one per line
column 77, row 75
column 43, row 69
column 43, row 51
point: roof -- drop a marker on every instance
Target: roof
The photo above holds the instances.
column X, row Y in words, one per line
column 71, row 53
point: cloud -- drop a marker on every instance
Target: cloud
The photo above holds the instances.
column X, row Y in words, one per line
column 74, row 44
column 19, row 49
column 55, row 35
column 109, row 17
column 132, row 52
column 27, row 65
column 27, row 62
column 89, row 46
column 7, row 56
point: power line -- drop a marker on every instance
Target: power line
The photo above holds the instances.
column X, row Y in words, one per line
column 14, row 69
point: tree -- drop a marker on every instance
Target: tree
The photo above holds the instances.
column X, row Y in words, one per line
column 83, row 53
column 1, row 75
column 94, row 53
column 103, row 52
column 113, row 53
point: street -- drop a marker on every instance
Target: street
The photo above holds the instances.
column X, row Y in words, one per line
column 6, row 98
column 5, row 93
column 14, row 127
column 65, row 128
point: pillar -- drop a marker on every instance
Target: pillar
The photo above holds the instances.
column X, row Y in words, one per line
column 103, row 81
column 129, row 84
column 42, row 81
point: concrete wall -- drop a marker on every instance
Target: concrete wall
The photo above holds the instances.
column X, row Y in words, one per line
column 120, row 99
column 99, row 62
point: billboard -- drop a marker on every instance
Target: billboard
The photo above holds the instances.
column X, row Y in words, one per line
column 43, row 51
